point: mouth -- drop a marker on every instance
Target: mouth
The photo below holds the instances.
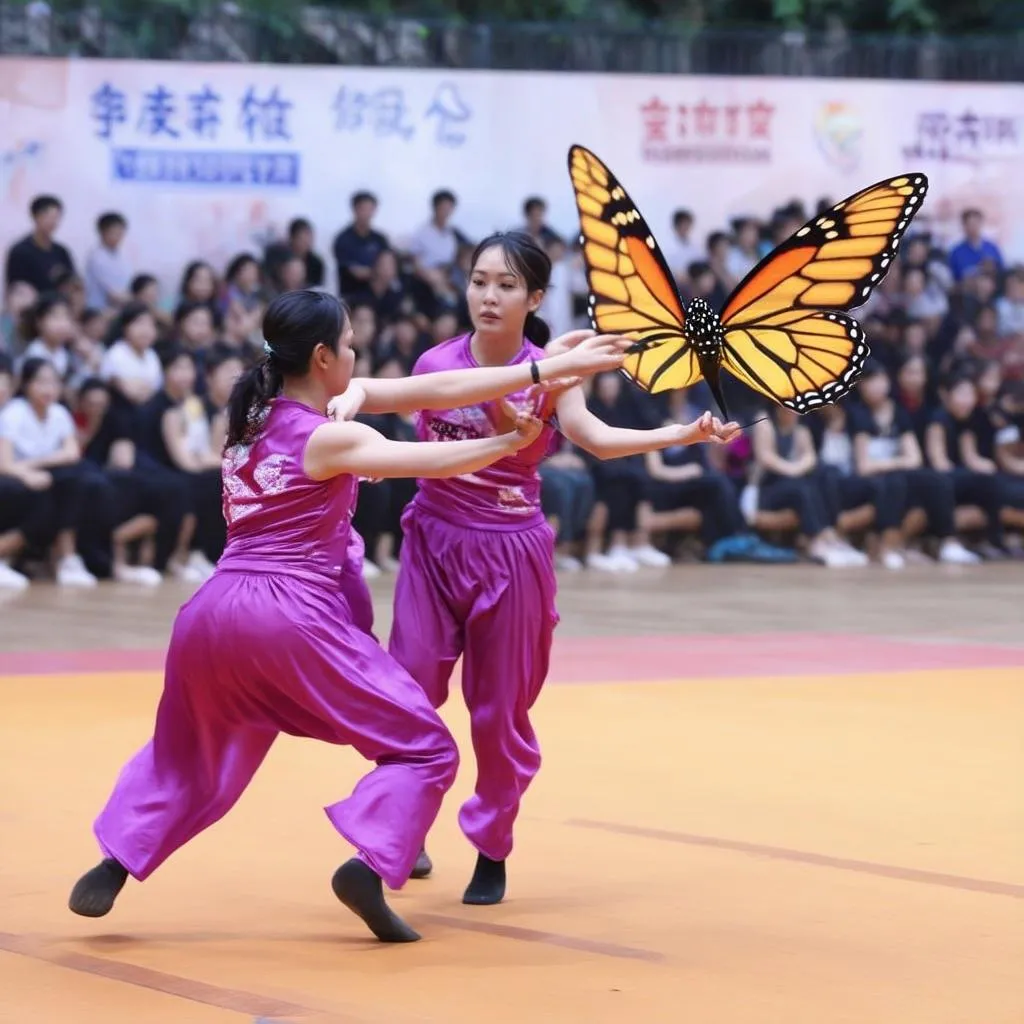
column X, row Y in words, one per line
column 490, row 317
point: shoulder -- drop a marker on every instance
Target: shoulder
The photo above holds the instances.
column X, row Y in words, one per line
column 448, row 355
column 61, row 416
column 940, row 418
column 12, row 413
column 859, row 420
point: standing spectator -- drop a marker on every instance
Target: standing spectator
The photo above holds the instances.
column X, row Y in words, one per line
column 299, row 245
column 19, row 298
column 435, row 247
column 37, row 259
column 358, row 246
column 108, row 276
column 974, row 252
column 681, row 252
column 534, row 212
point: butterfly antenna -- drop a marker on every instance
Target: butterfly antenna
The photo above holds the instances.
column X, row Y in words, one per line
column 760, row 419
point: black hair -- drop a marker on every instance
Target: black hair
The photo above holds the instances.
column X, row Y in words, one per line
column 6, row 364
column 93, row 384
column 443, row 195
column 191, row 270
column 525, row 258
column 44, row 305
column 140, row 282
column 43, row 203
column 30, row 369
column 294, row 324
column 679, row 216
column 243, row 259
column 131, row 312
column 533, row 203
column 297, row 225
column 219, row 353
column 110, row 220
column 362, row 197
column 171, row 351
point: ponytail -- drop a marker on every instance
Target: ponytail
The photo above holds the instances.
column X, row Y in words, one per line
column 249, row 397
column 536, row 330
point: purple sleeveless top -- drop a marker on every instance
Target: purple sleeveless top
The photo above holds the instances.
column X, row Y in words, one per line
column 504, row 495
column 279, row 520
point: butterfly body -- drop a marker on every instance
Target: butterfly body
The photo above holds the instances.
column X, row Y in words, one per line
column 783, row 331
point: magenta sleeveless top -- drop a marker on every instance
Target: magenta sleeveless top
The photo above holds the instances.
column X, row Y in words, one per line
column 505, row 495
column 279, row 520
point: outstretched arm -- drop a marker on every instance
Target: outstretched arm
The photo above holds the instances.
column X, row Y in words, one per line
column 337, row 448
column 586, row 431
column 450, row 389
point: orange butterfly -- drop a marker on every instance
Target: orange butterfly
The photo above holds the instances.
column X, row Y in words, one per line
column 780, row 332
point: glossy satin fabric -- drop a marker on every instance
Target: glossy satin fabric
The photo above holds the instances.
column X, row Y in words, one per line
column 270, row 644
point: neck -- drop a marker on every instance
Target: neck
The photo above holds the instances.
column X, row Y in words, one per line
column 495, row 350
column 308, row 392
column 42, row 240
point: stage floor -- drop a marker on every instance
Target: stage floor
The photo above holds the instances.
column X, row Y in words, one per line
column 780, row 795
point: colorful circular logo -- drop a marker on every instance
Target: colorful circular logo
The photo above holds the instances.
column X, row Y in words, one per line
column 839, row 133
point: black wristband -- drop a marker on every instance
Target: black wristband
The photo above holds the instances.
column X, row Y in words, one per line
column 534, row 371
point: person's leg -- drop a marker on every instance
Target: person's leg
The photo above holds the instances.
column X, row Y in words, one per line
column 934, row 493
column 509, row 632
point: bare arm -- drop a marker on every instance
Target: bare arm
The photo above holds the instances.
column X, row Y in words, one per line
column 451, row 389
column 355, row 448
column 766, row 453
column 67, row 454
column 658, row 470
column 974, row 461
column 586, row 431
column 910, row 452
column 173, row 428
column 935, row 448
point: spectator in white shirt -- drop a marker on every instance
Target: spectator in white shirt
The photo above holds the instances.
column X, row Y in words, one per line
column 680, row 252
column 745, row 252
column 38, row 448
column 50, row 324
column 108, row 276
column 131, row 366
column 1010, row 307
column 435, row 246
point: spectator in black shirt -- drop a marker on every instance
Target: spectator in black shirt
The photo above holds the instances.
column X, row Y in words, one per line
column 358, row 246
column 534, row 212
column 299, row 245
column 37, row 259
column 385, row 290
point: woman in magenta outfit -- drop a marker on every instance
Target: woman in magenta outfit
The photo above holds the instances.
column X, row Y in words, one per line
column 476, row 575
column 271, row 643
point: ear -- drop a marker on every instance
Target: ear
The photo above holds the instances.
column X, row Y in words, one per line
column 534, row 300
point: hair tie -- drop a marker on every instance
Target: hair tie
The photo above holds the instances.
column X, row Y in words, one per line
column 266, row 348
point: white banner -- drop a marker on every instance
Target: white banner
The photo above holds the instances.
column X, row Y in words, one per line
column 207, row 160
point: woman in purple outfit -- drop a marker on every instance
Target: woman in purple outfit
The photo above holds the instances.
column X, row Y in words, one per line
column 476, row 575
column 271, row 643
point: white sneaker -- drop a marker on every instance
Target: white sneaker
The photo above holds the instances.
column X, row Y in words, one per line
column 198, row 561
column 370, row 571
column 953, row 552
column 650, row 556
column 11, row 579
column 623, row 559
column 599, row 562
column 389, row 564
column 71, row 572
column 185, row 572
column 855, row 557
column 566, row 563
column 143, row 575
column 893, row 560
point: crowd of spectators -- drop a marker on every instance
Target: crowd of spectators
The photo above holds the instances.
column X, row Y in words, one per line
column 112, row 398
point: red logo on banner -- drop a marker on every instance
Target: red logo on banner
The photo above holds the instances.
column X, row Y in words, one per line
column 706, row 132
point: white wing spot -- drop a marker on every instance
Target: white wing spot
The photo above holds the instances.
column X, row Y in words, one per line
column 803, row 231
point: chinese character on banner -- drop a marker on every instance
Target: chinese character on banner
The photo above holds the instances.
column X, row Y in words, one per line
column 655, row 114
column 450, row 110
column 732, row 120
column 705, row 118
column 109, row 109
column 384, row 111
column 266, row 118
column 157, row 111
column 969, row 130
column 682, row 113
column 203, row 116
column 760, row 116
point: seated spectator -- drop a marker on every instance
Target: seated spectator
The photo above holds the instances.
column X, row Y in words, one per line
column 535, row 211
column 222, row 366
column 298, row 246
column 131, row 367
column 621, row 485
column 199, row 284
column 174, row 434
column 145, row 289
column 884, row 445
column 914, row 393
column 39, row 451
column 975, row 252
column 681, row 252
column 243, row 302
column 1010, row 307
column 787, row 478
column 961, row 444
column 139, row 507
column 108, row 275
column 403, row 342
column 385, row 290
column 52, row 329
column 19, row 299
column 435, row 248
column 567, row 499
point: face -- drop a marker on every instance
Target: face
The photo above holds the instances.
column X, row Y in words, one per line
column 985, row 287
column 607, row 388
column 917, row 252
column 44, row 389
column 989, row 382
column 683, row 227
column 150, row 295
column 248, row 276
column 20, row 297
column 386, row 266
column 57, row 326
column 1015, row 288
column 913, row 283
column 221, row 380
column 113, row 236
column 406, row 335
column 535, row 215
column 972, row 225
column 874, row 389
column 444, row 327
column 391, row 370
column 302, row 241
column 443, row 211
column 180, row 376
column 201, row 285
column 497, row 296
column 197, row 328
column 293, row 275
column 49, row 220
column 95, row 328
column 962, row 399
column 364, row 327
column 363, row 212
column 987, row 321
column 748, row 236
column 915, row 338
column 93, row 404
column 913, row 376
column 141, row 332
column 336, row 367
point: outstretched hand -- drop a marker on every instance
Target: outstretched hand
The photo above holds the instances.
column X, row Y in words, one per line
column 711, row 430
column 526, row 425
column 346, row 406
column 555, row 388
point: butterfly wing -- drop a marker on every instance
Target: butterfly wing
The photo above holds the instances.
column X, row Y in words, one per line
column 632, row 291
column 784, row 334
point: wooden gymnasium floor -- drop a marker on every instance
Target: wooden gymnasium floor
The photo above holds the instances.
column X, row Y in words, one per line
column 770, row 796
